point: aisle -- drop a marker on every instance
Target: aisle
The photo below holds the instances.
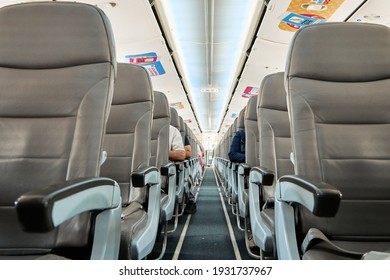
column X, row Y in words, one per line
column 207, row 237
column 211, row 233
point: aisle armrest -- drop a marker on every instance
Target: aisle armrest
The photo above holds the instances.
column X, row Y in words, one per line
column 43, row 210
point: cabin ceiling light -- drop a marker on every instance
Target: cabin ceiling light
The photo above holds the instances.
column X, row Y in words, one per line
column 209, row 39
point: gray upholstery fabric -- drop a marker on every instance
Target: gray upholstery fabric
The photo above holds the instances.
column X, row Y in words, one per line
column 274, row 144
column 274, row 129
column 175, row 121
column 160, row 138
column 339, row 105
column 57, row 70
column 128, row 126
column 182, row 127
column 241, row 120
column 354, row 48
column 251, row 133
column 134, row 219
column 37, row 44
column 160, row 131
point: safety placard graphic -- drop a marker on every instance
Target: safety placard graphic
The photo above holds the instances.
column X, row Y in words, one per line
column 250, row 91
column 306, row 12
column 150, row 61
column 177, row 105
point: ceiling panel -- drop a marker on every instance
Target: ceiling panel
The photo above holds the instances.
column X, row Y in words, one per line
column 374, row 11
column 209, row 48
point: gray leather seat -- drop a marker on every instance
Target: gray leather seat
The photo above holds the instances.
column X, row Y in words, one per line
column 129, row 124
column 229, row 172
column 190, row 176
column 239, row 125
column 186, row 163
column 249, row 118
column 160, row 159
column 57, row 65
column 339, row 106
column 180, row 182
column 274, row 158
column 251, row 158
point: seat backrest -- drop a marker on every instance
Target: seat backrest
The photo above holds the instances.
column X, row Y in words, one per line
column 160, row 131
column 175, row 121
column 182, row 127
column 274, row 130
column 339, row 106
column 240, row 125
column 128, row 127
column 251, row 133
column 57, row 70
column 274, row 126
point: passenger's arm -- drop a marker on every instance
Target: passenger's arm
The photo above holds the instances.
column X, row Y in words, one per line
column 188, row 150
column 178, row 155
column 176, row 149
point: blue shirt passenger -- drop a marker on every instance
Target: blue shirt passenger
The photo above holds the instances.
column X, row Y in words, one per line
column 237, row 147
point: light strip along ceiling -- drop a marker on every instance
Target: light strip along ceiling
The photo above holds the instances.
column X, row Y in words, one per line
column 208, row 39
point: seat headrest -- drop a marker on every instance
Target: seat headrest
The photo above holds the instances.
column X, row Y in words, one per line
column 175, row 121
column 273, row 93
column 182, row 124
column 52, row 35
column 131, row 80
column 360, row 51
column 251, row 109
column 241, row 119
column 161, row 107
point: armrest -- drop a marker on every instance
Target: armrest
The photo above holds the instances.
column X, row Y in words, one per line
column 143, row 242
column 179, row 166
column 169, row 170
column 244, row 169
column 145, row 176
column 180, row 173
column 43, row 210
column 265, row 178
column 235, row 166
column 320, row 198
column 261, row 230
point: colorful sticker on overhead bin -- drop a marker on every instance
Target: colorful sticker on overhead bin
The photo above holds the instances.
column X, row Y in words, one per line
column 250, row 91
column 306, row 12
column 177, row 105
column 233, row 115
column 188, row 121
column 150, row 61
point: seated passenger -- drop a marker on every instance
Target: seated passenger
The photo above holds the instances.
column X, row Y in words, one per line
column 237, row 147
column 180, row 152
column 176, row 147
column 187, row 147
